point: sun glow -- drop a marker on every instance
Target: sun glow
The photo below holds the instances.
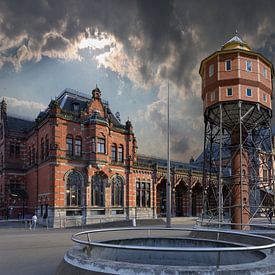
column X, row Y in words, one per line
column 95, row 43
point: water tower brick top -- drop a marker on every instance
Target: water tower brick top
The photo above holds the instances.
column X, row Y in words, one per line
column 236, row 73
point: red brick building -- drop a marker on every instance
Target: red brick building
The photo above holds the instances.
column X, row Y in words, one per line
column 77, row 163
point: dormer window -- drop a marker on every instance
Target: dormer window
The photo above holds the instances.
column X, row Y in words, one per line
column 76, row 107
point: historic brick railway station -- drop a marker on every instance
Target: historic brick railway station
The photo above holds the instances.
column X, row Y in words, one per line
column 77, row 161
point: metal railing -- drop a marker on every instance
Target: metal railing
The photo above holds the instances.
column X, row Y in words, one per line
column 217, row 235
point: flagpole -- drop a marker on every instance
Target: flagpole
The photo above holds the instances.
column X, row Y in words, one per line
column 168, row 183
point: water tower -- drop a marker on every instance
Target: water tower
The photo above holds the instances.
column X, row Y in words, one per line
column 237, row 95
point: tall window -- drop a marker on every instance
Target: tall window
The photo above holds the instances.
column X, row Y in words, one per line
column 93, row 145
column 213, row 96
column 248, row 66
column 42, row 149
column 1, row 131
column 101, row 145
column 229, row 91
column 14, row 149
column 78, row 147
column 30, row 155
column 1, row 161
column 120, row 153
column 248, row 92
column 211, row 70
column 114, row 152
column 69, row 144
column 117, row 191
column 228, row 65
column 73, row 189
column 143, row 197
column 264, row 73
column 98, row 186
column 33, row 155
column 47, row 146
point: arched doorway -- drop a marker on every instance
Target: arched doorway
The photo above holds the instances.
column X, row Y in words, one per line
column 197, row 201
column 182, row 199
column 161, row 198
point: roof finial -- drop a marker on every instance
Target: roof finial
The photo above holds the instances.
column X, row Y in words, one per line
column 96, row 86
column 236, row 32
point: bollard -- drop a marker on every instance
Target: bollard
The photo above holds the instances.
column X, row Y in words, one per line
column 134, row 222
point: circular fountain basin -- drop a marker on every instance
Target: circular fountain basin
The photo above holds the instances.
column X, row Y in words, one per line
column 168, row 251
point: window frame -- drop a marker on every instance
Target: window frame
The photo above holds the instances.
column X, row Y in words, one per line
column 227, row 91
column 247, row 67
column 247, row 94
column 264, row 72
column 230, row 63
column 69, row 146
column 120, row 153
column 113, row 152
column 211, row 70
column 143, row 193
column 78, row 147
column 213, row 96
column 101, row 145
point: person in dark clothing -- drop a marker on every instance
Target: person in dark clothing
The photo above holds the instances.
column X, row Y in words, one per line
column 270, row 215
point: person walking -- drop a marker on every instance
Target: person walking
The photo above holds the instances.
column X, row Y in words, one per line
column 270, row 215
column 33, row 222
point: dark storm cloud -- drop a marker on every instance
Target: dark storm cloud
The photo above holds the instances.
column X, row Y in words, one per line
column 164, row 40
column 178, row 29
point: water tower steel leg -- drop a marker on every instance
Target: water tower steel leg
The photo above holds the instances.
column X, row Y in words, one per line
column 204, row 169
column 220, row 170
column 241, row 162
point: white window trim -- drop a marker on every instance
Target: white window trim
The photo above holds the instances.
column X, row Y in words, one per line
column 230, row 65
column 251, row 92
column 246, row 62
column 210, row 73
column 227, row 91
column 213, row 96
column 264, row 72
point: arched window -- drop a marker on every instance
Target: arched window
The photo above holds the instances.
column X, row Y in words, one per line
column 73, row 189
column 98, row 186
column 47, row 147
column 114, row 153
column 78, row 147
column 42, row 149
column 117, row 190
column 120, row 153
column 69, row 145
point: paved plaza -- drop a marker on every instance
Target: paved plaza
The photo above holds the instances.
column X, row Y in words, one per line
column 25, row 252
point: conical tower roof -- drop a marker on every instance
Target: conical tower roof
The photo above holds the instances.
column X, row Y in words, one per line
column 236, row 43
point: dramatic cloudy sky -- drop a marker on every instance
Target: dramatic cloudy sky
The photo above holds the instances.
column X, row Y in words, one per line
column 129, row 49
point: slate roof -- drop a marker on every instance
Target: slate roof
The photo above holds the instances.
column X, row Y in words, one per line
column 69, row 97
column 235, row 39
column 149, row 160
column 19, row 124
